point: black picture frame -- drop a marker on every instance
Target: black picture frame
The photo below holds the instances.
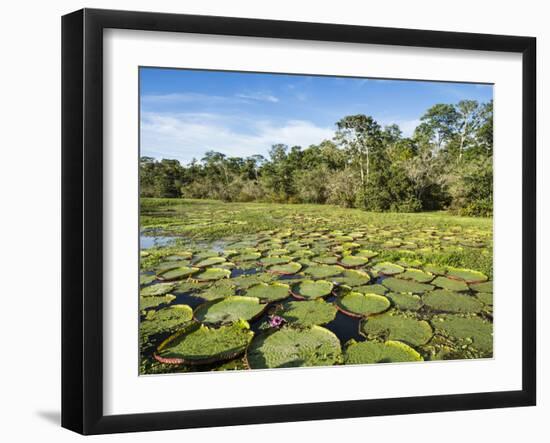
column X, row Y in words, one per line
column 82, row 219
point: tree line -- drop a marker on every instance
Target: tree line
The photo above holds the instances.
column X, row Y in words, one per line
column 445, row 164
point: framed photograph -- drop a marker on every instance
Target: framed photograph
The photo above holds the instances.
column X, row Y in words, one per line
column 269, row 221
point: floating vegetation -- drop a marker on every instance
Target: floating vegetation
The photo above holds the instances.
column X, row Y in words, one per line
column 406, row 302
column 323, row 271
column 400, row 285
column 467, row 331
column 199, row 344
column 386, row 268
column 308, row 313
column 391, row 351
column 157, row 289
column 414, row 285
column 394, row 326
column 213, row 274
column 229, row 309
column 449, row 301
column 286, row 269
column 450, row 284
column 177, row 273
column 356, row 304
column 309, row 289
column 290, row 347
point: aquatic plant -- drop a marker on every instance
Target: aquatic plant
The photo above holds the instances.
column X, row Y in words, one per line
column 399, row 285
column 310, row 289
column 323, row 271
column 450, row 284
column 285, row 269
column 157, row 289
column 466, row 330
column 290, row 347
column 397, row 326
column 211, row 274
column 308, row 313
column 449, row 301
column 353, row 278
column 406, row 302
column 391, row 351
column 269, row 292
column 177, row 273
column 356, row 304
column 387, row 268
column 229, row 309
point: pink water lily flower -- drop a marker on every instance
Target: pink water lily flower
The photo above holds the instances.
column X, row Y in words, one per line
column 275, row 321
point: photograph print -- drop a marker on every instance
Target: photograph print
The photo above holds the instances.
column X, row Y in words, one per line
column 294, row 221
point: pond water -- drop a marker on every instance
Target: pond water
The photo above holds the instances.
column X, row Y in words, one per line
column 152, row 241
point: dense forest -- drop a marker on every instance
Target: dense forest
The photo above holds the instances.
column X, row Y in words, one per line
column 446, row 164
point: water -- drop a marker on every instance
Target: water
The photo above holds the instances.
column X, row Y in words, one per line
column 147, row 241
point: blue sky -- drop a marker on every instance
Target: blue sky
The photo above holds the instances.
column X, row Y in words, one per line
column 185, row 113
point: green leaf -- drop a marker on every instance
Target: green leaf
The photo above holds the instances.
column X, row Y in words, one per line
column 308, row 313
column 468, row 275
column 289, row 347
column 211, row 274
column 448, row 301
column 309, row 289
column 204, row 263
column 371, row 352
column 396, row 326
column 286, row 269
column 177, row 273
column 405, row 302
column 157, row 289
column 352, row 277
column 229, row 309
column 269, row 292
column 467, row 331
column 323, row 271
column 356, row 304
column 450, row 284
column 417, row 276
column 198, row 344
column 386, row 268
column 154, row 301
column 351, row 261
column 399, row 285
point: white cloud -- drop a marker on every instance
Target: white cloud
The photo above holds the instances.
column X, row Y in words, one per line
column 259, row 96
column 186, row 135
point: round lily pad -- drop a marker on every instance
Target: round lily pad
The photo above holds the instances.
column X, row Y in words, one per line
column 309, row 289
column 367, row 253
column 269, row 292
column 387, row 268
column 216, row 290
column 390, row 351
column 405, row 302
column 323, row 271
column 352, row 261
column 157, row 289
column 395, row 326
column 285, row 269
column 469, row 331
column 154, row 301
column 400, row 285
column 177, row 273
column 204, row 263
column 325, row 259
column 229, row 309
column 275, row 260
column 211, row 274
column 145, row 279
column 165, row 320
column 308, row 313
column 371, row 289
column 435, row 269
column 289, row 347
column 184, row 255
column 356, row 304
column 352, row 277
column 198, row 344
column 252, row 256
column 482, row 287
column 417, row 276
column 450, row 284
column 448, row 301
column 468, row 275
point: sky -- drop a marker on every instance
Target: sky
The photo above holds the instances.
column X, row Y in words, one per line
column 185, row 113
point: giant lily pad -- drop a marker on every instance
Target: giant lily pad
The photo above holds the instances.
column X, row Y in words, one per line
column 289, row 347
column 212, row 274
column 450, row 284
column 308, row 313
column 352, row 261
column 448, row 301
column 323, row 271
column 269, row 292
column 177, row 273
column 157, row 289
column 325, row 259
column 367, row 253
column 251, row 256
column 204, row 263
column 417, row 276
column 219, row 289
column 275, row 260
column 199, row 344
column 145, row 279
column 371, row 289
column 468, row 331
column 165, row 320
column 356, row 304
column 399, row 285
column 482, row 287
column 371, row 352
column 395, row 326
column 154, row 301
column 485, row 297
column 351, row 277
column 468, row 275
column 387, row 268
column 405, row 302
column 285, row 269
column 309, row 289
column 229, row 309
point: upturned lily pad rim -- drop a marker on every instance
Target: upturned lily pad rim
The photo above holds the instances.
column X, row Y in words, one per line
column 226, row 274
column 193, row 326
